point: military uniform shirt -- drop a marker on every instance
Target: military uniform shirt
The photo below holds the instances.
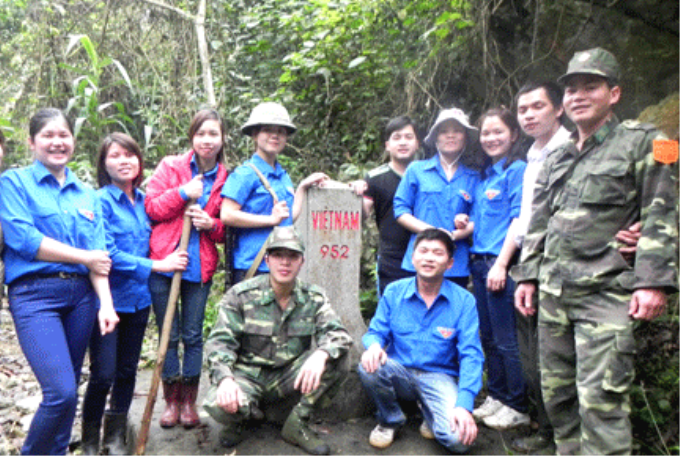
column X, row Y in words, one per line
column 252, row 332
column 583, row 198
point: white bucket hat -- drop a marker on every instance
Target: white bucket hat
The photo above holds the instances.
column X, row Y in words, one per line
column 268, row 113
column 450, row 114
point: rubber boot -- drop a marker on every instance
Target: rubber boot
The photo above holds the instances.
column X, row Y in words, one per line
column 296, row 431
column 90, row 438
column 171, row 393
column 115, row 429
column 188, row 415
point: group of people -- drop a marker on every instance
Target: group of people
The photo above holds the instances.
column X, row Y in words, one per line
column 577, row 217
column 587, row 219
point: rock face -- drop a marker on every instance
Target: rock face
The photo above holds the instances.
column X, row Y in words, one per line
column 664, row 115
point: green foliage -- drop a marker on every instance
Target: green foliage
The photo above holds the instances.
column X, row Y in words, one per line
column 655, row 393
column 93, row 116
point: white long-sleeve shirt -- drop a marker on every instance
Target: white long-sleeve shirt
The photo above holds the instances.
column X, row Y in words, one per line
column 535, row 159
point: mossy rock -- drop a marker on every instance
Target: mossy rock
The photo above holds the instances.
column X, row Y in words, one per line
column 664, row 115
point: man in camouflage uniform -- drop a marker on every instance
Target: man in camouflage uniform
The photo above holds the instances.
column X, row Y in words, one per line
column 608, row 176
column 260, row 348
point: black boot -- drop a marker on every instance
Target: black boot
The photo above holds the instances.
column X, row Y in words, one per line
column 90, row 438
column 115, row 429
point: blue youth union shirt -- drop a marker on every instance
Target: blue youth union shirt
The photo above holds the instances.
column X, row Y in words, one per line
column 498, row 201
column 428, row 195
column 33, row 206
column 127, row 239
column 244, row 187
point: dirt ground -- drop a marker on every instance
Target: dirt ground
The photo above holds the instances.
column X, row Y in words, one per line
column 348, row 437
column 17, row 384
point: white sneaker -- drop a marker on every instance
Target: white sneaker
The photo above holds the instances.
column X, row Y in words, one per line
column 488, row 408
column 507, row 418
column 425, row 431
column 382, row 436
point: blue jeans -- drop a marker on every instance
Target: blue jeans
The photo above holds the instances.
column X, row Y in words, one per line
column 53, row 319
column 505, row 380
column 188, row 322
column 113, row 363
column 436, row 392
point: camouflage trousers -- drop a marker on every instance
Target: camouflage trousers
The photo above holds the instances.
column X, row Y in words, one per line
column 586, row 355
column 274, row 385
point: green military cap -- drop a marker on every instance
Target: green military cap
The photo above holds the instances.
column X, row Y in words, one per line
column 597, row 61
column 285, row 237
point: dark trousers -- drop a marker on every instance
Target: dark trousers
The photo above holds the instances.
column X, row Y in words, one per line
column 496, row 311
column 527, row 338
column 53, row 319
column 113, row 366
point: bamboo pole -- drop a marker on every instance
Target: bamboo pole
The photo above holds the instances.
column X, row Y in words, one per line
column 165, row 339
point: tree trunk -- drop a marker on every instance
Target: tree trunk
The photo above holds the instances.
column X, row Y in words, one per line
column 199, row 24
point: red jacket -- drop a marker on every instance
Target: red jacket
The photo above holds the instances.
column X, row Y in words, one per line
column 166, row 206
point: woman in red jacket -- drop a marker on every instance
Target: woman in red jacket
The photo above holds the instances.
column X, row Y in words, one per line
column 191, row 182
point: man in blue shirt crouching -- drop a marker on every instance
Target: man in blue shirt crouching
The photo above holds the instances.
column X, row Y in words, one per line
column 423, row 345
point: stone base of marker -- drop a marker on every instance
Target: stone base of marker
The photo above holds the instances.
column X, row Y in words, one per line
column 330, row 224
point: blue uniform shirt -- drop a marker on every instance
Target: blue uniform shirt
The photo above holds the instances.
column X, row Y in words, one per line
column 428, row 195
column 127, row 240
column 498, row 201
column 244, row 187
column 33, row 205
column 193, row 271
column 443, row 338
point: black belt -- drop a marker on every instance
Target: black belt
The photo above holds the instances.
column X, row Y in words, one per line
column 482, row 256
column 57, row 275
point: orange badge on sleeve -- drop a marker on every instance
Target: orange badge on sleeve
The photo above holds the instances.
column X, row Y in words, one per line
column 665, row 151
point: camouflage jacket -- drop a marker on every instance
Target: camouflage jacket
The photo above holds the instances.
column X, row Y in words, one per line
column 584, row 198
column 252, row 332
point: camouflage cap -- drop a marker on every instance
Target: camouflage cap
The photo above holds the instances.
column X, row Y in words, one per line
column 597, row 61
column 285, row 237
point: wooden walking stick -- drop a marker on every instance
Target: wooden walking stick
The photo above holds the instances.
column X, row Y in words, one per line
column 165, row 339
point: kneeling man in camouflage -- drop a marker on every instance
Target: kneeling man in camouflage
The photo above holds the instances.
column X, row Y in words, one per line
column 260, row 350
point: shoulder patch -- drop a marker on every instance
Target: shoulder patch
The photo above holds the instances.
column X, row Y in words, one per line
column 665, row 151
column 382, row 169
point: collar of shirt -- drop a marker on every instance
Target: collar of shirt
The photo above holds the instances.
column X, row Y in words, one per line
column 600, row 134
column 194, row 168
column 434, row 163
column 41, row 173
column 266, row 168
column 119, row 195
column 496, row 168
column 412, row 292
column 539, row 155
column 268, row 296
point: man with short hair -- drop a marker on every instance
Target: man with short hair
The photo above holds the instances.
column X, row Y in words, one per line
column 378, row 189
column 260, row 349
column 248, row 205
column 608, row 176
column 539, row 110
column 423, row 345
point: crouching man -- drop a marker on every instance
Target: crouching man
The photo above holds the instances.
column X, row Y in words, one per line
column 260, row 348
column 423, row 345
